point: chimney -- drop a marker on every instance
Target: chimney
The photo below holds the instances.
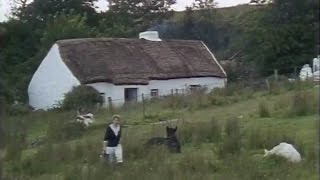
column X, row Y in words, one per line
column 150, row 36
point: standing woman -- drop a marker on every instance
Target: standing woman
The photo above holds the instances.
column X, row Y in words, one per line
column 112, row 148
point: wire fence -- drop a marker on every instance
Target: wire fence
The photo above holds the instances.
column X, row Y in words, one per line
column 147, row 102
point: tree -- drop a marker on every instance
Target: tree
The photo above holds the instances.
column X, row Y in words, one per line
column 261, row 2
column 66, row 26
column 133, row 16
column 282, row 35
column 22, row 55
column 38, row 12
column 204, row 5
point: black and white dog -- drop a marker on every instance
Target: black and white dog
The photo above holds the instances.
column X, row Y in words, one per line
column 171, row 141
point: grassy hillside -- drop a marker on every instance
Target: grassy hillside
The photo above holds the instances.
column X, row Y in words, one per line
column 223, row 135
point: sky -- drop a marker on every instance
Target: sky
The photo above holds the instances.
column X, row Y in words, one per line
column 181, row 4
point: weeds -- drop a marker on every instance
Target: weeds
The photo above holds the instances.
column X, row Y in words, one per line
column 232, row 141
column 232, row 127
column 264, row 110
column 202, row 143
column 302, row 103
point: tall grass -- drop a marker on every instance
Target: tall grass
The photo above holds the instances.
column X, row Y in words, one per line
column 303, row 103
column 232, row 141
column 206, row 132
column 264, row 110
column 267, row 138
column 210, row 149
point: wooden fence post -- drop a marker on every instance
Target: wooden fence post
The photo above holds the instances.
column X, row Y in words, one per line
column 110, row 105
column 143, row 107
column 268, row 85
column 177, row 91
column 172, row 98
column 276, row 74
column 295, row 73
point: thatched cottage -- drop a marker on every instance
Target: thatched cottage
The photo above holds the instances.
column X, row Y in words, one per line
column 123, row 69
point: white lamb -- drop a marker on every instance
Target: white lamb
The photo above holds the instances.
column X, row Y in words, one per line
column 86, row 119
column 285, row 150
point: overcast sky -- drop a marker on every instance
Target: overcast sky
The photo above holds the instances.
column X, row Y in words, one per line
column 181, row 4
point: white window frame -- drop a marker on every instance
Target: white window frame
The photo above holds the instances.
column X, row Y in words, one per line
column 156, row 91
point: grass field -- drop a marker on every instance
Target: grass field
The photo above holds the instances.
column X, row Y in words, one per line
column 219, row 140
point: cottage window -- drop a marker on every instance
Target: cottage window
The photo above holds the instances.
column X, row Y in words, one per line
column 103, row 95
column 154, row 92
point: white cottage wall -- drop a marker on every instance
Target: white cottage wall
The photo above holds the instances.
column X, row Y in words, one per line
column 164, row 87
column 51, row 81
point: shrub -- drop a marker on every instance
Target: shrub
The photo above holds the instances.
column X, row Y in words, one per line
column 263, row 110
column 18, row 110
column 82, row 96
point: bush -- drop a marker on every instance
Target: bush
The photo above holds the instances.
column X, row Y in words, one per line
column 18, row 110
column 82, row 96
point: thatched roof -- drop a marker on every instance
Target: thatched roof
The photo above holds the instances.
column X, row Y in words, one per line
column 136, row 61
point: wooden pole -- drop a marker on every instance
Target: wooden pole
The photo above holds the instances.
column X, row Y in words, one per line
column 268, row 85
column 295, row 73
column 143, row 107
column 110, row 105
column 172, row 98
column 177, row 91
column 276, row 74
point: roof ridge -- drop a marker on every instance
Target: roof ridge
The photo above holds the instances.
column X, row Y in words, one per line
column 128, row 39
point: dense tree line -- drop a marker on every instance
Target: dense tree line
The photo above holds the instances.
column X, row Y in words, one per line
column 275, row 35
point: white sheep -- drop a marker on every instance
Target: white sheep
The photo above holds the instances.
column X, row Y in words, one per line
column 86, row 119
column 285, row 150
